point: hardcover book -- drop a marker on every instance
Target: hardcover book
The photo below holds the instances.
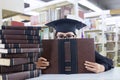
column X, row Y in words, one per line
column 19, row 37
column 21, row 27
column 20, row 45
column 20, row 50
column 17, row 68
column 20, row 55
column 20, row 32
column 20, row 41
column 20, row 75
column 16, row 61
column 67, row 56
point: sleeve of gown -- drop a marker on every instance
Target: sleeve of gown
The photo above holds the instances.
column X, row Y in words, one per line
column 108, row 63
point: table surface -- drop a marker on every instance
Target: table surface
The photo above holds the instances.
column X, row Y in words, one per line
column 113, row 74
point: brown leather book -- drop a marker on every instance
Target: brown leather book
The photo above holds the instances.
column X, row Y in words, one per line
column 20, row 41
column 21, row 27
column 67, row 56
column 19, row 37
column 20, row 46
column 20, row 75
column 20, row 32
column 17, row 68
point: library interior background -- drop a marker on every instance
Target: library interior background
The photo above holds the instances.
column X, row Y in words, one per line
column 102, row 18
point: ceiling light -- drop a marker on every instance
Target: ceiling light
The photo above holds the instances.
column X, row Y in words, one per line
column 89, row 5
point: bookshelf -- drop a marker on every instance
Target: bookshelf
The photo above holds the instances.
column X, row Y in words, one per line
column 106, row 36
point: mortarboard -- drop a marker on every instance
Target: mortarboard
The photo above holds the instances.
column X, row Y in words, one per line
column 66, row 25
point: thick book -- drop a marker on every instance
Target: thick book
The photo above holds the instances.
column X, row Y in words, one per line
column 20, row 41
column 20, row 75
column 16, row 61
column 67, row 56
column 20, row 45
column 19, row 37
column 21, row 27
column 20, row 55
column 20, row 50
column 17, row 68
column 20, row 32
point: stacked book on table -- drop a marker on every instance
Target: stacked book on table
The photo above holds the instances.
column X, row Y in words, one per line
column 20, row 48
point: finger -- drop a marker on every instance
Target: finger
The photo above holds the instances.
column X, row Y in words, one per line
column 90, row 69
column 45, row 63
column 41, row 67
column 42, row 59
column 90, row 63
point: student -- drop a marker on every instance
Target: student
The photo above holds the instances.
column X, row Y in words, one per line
column 65, row 28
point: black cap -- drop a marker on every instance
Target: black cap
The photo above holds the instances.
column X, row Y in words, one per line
column 66, row 25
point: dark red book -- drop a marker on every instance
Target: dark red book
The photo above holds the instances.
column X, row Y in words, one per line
column 16, row 61
column 17, row 68
column 67, row 56
column 20, row 46
column 20, row 50
column 19, row 37
column 21, row 27
column 20, row 41
column 20, row 75
column 16, row 23
column 20, row 32
column 20, row 55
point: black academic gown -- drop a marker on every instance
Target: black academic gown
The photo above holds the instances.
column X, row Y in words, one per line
column 108, row 63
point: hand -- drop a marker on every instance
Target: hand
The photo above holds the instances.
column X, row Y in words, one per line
column 42, row 63
column 94, row 67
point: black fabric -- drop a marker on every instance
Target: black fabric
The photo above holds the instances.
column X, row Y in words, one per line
column 108, row 63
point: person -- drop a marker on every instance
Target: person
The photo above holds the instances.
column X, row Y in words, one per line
column 65, row 28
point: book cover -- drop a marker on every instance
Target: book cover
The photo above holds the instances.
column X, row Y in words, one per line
column 6, row 46
column 67, row 56
column 19, row 37
column 19, row 50
column 20, row 75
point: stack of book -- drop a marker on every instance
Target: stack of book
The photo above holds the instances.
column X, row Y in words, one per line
column 20, row 48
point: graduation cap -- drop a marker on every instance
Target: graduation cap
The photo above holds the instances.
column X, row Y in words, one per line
column 66, row 25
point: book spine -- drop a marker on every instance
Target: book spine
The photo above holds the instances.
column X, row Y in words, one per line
column 17, row 61
column 17, row 68
column 20, row 55
column 19, row 37
column 20, row 75
column 20, row 32
column 20, row 46
column 20, row 41
column 21, row 28
column 22, row 50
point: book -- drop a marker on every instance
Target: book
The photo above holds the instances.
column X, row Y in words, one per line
column 20, row 45
column 20, row 50
column 20, row 75
column 20, row 41
column 15, row 23
column 21, row 28
column 19, row 37
column 20, row 32
column 20, row 55
column 16, row 61
column 17, row 68
column 67, row 56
